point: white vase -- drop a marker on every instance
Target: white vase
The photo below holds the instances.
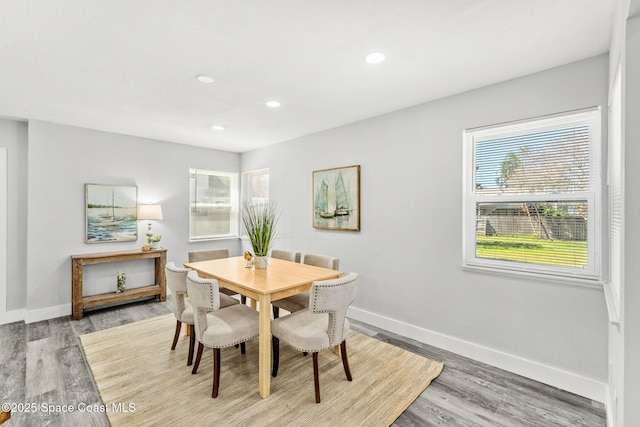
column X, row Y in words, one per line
column 261, row 261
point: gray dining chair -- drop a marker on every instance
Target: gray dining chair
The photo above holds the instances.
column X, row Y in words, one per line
column 217, row 327
column 323, row 325
column 301, row 301
column 209, row 254
column 286, row 255
column 176, row 278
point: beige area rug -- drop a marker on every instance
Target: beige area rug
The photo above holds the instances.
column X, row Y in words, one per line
column 142, row 382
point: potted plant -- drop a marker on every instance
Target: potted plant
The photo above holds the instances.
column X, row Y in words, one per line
column 260, row 221
column 153, row 239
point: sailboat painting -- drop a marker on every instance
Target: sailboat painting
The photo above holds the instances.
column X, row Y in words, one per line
column 336, row 198
column 111, row 213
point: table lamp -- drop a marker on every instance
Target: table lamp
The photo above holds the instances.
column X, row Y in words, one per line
column 149, row 211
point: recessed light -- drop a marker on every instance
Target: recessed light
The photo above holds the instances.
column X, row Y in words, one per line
column 272, row 104
column 204, row 79
column 217, row 127
column 374, row 58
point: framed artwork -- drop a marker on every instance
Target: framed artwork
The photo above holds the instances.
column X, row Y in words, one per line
column 111, row 213
column 336, row 198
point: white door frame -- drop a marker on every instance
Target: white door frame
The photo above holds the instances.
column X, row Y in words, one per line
column 3, row 235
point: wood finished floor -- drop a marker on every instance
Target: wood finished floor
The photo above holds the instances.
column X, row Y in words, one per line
column 43, row 362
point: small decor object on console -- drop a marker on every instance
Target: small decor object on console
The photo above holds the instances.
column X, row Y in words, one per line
column 122, row 282
column 153, row 240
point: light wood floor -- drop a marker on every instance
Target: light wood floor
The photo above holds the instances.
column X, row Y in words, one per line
column 43, row 363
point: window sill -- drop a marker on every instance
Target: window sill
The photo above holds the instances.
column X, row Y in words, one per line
column 213, row 239
column 560, row 280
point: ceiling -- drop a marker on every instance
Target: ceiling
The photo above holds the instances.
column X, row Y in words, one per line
column 130, row 66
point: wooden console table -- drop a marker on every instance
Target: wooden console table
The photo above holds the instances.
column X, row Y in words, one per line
column 79, row 303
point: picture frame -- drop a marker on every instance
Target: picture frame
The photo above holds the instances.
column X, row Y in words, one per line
column 336, row 198
column 111, row 213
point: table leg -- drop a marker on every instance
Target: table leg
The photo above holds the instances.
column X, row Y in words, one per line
column 264, row 360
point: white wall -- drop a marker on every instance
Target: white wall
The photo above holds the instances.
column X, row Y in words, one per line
column 409, row 251
column 13, row 137
column 61, row 159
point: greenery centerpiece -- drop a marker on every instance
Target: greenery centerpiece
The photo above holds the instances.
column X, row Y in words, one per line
column 260, row 221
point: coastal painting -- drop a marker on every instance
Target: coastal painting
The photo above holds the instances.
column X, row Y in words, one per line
column 336, row 198
column 111, row 213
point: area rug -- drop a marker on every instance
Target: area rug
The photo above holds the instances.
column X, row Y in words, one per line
column 142, row 382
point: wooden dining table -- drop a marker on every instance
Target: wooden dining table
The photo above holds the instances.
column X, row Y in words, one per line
column 279, row 280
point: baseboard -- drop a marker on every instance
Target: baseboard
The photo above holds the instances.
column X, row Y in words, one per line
column 47, row 313
column 13, row 316
column 555, row 377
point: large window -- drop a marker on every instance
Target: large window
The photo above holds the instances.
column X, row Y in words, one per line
column 532, row 196
column 213, row 204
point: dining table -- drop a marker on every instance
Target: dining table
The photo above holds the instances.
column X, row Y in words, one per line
column 280, row 279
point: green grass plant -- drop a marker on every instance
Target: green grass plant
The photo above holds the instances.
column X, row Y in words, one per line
column 260, row 222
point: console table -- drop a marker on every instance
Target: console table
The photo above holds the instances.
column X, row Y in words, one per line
column 79, row 303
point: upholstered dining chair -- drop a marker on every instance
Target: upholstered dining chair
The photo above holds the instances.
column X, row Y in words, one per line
column 217, row 327
column 301, row 301
column 322, row 326
column 177, row 281
column 286, row 255
column 209, row 254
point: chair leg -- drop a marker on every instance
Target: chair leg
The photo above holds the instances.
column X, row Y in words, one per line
column 177, row 335
column 243, row 300
column 198, row 357
column 192, row 345
column 275, row 345
column 216, row 372
column 345, row 361
column 316, row 379
column 276, row 311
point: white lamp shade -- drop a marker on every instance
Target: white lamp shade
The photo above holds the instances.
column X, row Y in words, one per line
column 149, row 211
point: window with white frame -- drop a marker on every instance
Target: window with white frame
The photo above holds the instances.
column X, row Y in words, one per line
column 213, row 204
column 532, row 196
column 255, row 187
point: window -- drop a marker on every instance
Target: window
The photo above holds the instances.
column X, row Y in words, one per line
column 213, row 204
column 255, row 189
column 532, row 196
column 255, row 186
